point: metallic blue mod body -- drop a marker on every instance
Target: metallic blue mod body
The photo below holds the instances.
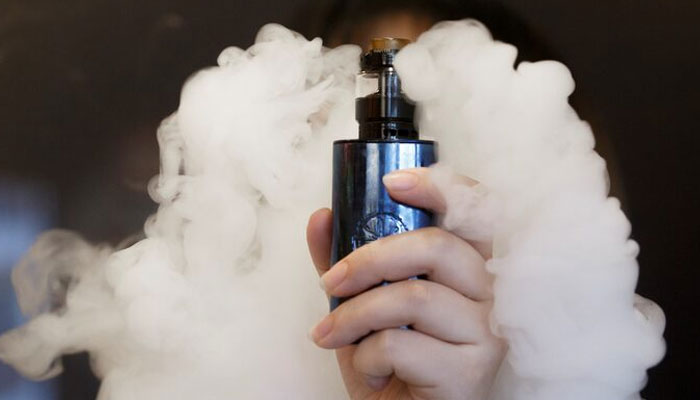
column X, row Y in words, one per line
column 362, row 208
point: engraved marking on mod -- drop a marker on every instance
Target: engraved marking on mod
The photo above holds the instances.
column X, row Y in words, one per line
column 377, row 225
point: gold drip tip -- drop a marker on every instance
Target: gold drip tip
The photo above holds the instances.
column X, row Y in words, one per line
column 388, row 43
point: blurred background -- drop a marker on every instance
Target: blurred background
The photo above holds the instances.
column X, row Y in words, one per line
column 84, row 84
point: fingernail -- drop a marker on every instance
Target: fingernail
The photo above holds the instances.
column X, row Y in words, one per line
column 322, row 329
column 400, row 180
column 331, row 279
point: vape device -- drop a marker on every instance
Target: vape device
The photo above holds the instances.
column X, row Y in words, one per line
column 388, row 140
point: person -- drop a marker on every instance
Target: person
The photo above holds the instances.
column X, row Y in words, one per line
column 450, row 352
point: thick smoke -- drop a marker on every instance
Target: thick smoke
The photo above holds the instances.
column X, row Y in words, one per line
column 564, row 264
column 216, row 301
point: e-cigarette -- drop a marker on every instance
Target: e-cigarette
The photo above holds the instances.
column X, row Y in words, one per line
column 388, row 140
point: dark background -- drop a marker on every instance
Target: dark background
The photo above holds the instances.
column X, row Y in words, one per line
column 84, row 83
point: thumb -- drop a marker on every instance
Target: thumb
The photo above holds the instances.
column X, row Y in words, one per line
column 318, row 238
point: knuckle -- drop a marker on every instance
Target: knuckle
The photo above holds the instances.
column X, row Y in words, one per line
column 372, row 249
column 360, row 312
column 363, row 256
column 433, row 234
column 367, row 262
column 350, row 267
column 353, row 266
column 436, row 240
column 417, row 293
column 340, row 314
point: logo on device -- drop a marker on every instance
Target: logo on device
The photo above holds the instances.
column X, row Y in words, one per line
column 375, row 226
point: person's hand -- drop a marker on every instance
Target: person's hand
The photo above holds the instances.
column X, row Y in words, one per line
column 450, row 352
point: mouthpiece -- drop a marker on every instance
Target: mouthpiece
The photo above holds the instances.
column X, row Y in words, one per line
column 388, row 43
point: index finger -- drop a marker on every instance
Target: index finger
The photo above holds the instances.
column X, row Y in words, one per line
column 443, row 257
column 413, row 186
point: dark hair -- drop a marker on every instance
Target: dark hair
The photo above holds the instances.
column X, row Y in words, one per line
column 340, row 18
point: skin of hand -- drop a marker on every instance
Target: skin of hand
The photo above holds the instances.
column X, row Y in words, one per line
column 450, row 352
